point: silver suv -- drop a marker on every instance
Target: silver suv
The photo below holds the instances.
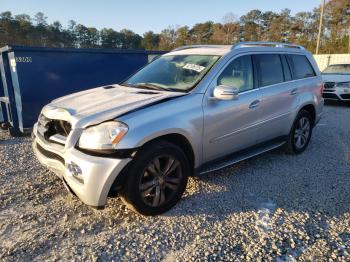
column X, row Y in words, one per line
column 194, row 110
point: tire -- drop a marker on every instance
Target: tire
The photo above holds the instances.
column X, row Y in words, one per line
column 157, row 178
column 293, row 146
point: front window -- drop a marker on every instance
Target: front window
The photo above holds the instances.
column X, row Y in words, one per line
column 238, row 74
column 337, row 69
column 178, row 73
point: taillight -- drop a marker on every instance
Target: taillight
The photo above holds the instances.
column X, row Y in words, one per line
column 322, row 88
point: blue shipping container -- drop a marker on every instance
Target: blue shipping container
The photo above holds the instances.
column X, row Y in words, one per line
column 33, row 76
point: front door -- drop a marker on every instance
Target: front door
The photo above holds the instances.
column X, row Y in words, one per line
column 230, row 126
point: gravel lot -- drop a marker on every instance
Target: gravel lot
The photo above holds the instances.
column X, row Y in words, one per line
column 273, row 207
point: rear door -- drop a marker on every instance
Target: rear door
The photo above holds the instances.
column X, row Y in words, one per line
column 279, row 95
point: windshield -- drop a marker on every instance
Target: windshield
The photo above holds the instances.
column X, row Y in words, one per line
column 337, row 69
column 178, row 73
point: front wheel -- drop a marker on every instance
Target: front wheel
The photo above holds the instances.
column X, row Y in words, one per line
column 156, row 179
column 300, row 134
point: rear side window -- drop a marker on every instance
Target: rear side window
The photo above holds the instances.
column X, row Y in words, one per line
column 270, row 69
column 301, row 67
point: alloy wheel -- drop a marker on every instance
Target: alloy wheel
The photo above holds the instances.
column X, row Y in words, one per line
column 160, row 181
column 302, row 132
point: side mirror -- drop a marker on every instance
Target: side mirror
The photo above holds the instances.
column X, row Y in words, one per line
column 223, row 92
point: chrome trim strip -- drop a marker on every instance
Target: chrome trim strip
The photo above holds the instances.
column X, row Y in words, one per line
column 54, row 148
column 41, row 130
column 58, row 138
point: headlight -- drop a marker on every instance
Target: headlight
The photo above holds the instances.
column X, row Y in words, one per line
column 343, row 85
column 102, row 137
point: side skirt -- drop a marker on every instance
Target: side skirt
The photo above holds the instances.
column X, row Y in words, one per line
column 239, row 156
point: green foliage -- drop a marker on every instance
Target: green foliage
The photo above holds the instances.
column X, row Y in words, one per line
column 302, row 28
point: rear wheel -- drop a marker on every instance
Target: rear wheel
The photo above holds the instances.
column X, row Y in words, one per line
column 156, row 179
column 300, row 134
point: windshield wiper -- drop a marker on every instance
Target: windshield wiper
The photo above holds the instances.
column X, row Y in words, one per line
column 153, row 86
column 146, row 86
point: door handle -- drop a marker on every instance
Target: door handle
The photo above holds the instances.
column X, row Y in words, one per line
column 294, row 91
column 254, row 104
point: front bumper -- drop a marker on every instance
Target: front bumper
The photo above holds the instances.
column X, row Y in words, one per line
column 97, row 173
column 337, row 93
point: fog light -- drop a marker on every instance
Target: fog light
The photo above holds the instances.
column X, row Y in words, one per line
column 76, row 172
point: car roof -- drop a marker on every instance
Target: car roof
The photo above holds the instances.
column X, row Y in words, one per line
column 225, row 49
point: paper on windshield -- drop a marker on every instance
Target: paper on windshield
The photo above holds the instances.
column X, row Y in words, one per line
column 194, row 67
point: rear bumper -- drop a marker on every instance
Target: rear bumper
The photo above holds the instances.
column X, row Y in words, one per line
column 96, row 174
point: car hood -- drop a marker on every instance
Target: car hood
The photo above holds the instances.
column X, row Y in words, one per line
column 335, row 78
column 100, row 104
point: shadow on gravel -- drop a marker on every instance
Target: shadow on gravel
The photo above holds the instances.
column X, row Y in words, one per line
column 292, row 190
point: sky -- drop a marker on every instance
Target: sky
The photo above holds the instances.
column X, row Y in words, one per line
column 144, row 15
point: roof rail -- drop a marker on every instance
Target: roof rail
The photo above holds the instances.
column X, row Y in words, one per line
column 200, row 46
column 266, row 44
column 242, row 45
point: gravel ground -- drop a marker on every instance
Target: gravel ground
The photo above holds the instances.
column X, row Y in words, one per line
column 274, row 207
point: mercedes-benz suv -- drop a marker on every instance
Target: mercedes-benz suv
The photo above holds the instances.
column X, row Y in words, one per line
column 191, row 111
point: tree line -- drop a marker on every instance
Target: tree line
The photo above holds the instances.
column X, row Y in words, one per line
column 301, row 28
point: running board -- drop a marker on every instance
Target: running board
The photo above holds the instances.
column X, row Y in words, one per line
column 238, row 157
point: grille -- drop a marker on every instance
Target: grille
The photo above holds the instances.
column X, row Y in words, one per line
column 329, row 85
column 49, row 154
column 49, row 127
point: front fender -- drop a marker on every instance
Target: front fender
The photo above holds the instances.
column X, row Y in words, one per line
column 182, row 116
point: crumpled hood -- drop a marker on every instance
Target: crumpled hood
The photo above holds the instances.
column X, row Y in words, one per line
column 96, row 105
column 335, row 78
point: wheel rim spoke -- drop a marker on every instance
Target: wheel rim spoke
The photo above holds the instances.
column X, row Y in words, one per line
column 162, row 197
column 151, row 168
column 172, row 180
column 157, row 165
column 156, row 198
column 169, row 165
column 171, row 186
column 147, row 185
column 299, row 141
column 174, row 165
column 147, row 192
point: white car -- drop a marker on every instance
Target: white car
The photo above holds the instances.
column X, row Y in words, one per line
column 336, row 80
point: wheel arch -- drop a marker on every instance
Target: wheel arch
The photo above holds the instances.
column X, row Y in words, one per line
column 312, row 111
column 174, row 138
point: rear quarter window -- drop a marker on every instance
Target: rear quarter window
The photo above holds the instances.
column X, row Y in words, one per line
column 286, row 69
column 301, row 66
